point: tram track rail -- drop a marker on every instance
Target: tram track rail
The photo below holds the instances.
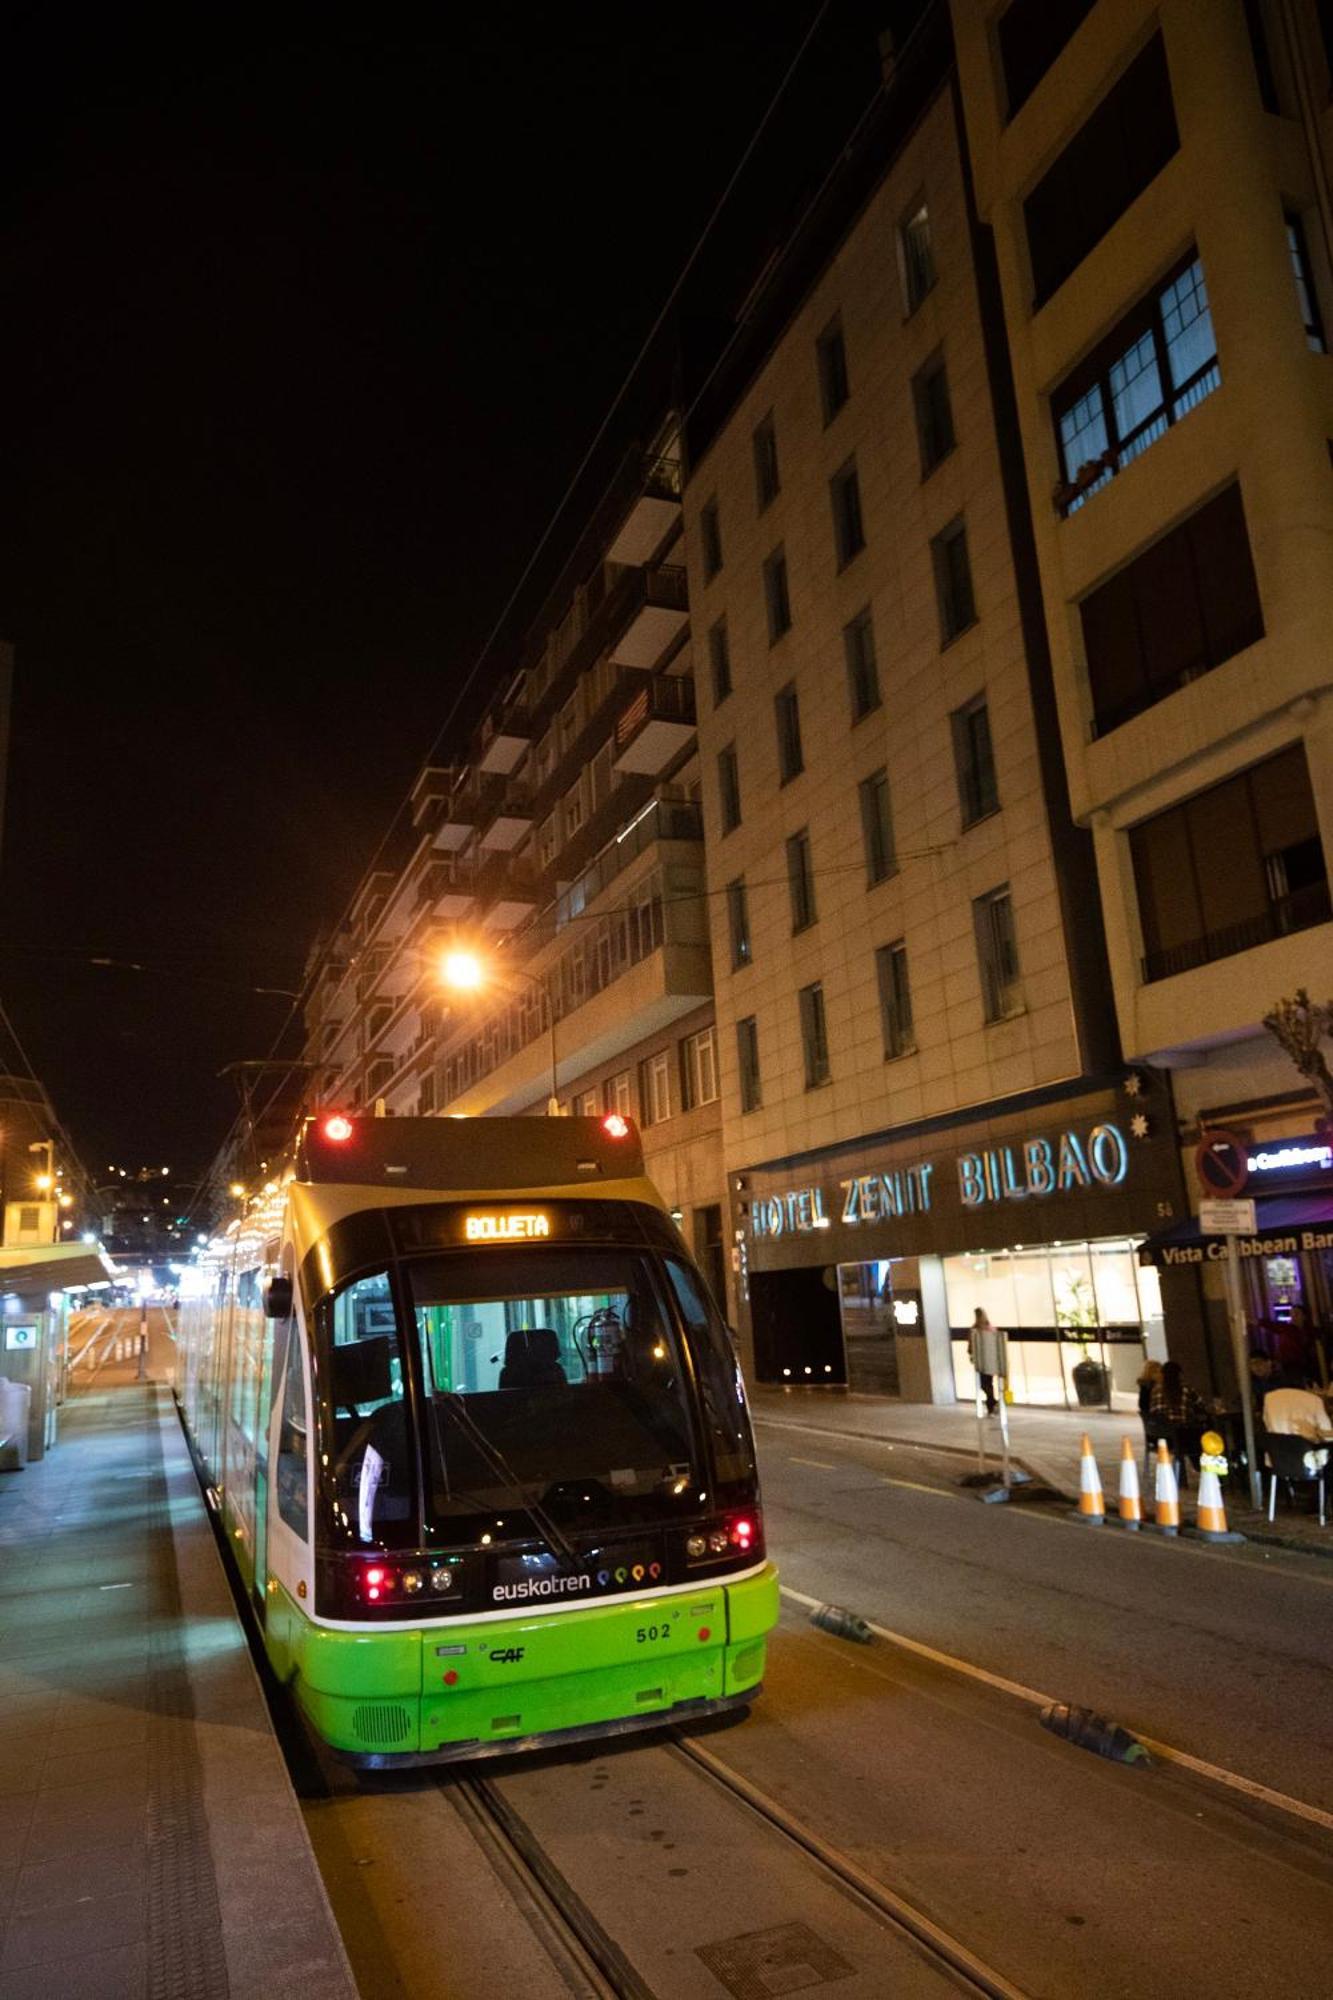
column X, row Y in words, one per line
column 593, row 1964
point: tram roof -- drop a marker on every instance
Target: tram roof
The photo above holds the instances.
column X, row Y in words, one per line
column 408, row 1160
column 467, row 1155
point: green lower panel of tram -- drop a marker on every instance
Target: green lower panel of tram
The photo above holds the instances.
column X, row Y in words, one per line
column 446, row 1688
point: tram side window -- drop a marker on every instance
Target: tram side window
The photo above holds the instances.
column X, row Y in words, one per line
column 294, row 1446
column 372, row 1463
column 719, row 1376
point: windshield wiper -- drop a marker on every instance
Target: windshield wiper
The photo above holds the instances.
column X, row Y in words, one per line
column 499, row 1465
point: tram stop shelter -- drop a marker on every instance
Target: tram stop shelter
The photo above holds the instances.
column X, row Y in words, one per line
column 34, row 1321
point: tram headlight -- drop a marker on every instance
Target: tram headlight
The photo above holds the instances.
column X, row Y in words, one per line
column 717, row 1542
column 412, row 1581
column 696, row 1546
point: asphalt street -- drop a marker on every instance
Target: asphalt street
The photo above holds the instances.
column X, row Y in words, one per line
column 1065, row 1873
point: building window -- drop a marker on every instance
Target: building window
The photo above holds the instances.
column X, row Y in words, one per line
column 719, row 661
column 777, row 600
column 426, row 1096
column 1230, row 868
column 574, row 809
column 655, row 1088
column 747, row 1059
column 1030, row 35
column 586, row 1104
column 831, row 357
column 710, row 539
column 698, row 1070
column 917, row 253
column 738, row 924
column 997, row 953
column 953, row 581
column 728, row 789
column 801, row 881
column 895, row 1000
column 858, row 645
column 787, row 713
column 618, row 1094
column 934, row 413
column 876, row 826
column 814, row 1035
column 1263, row 56
column 1158, row 365
column 849, row 537
column 1177, row 610
column 1305, row 291
column 764, row 444
column 548, row 840
column 1120, row 149
column 974, row 761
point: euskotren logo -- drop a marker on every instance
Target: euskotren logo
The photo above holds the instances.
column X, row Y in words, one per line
column 539, row 1586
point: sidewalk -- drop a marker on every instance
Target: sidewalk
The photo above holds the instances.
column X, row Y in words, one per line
column 150, row 1842
column 1046, row 1443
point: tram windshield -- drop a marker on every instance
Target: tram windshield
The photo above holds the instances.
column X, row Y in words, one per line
column 557, row 1377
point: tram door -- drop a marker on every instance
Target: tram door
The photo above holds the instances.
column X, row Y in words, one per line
column 288, row 1472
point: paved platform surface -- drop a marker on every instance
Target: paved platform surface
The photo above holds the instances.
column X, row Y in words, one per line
column 151, row 1847
column 1046, row 1443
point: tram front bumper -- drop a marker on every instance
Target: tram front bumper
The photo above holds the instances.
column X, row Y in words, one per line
column 458, row 1689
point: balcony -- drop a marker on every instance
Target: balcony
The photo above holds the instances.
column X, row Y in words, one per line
column 656, row 726
column 503, row 825
column 503, row 743
column 1299, row 911
column 460, row 814
column 444, row 892
column 506, row 891
column 654, row 610
column 653, row 513
column 430, row 792
column 660, row 819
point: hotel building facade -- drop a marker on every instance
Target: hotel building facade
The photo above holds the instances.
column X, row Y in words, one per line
column 1157, row 180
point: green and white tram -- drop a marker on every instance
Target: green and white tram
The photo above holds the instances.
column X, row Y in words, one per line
column 478, row 1440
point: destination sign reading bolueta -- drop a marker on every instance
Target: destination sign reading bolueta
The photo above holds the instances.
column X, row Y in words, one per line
column 520, row 1225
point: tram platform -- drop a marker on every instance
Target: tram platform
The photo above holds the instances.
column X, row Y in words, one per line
column 150, row 1841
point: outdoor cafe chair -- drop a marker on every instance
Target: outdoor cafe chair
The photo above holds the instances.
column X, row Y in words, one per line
column 1289, row 1459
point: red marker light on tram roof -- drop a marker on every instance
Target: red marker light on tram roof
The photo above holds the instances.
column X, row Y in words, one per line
column 338, row 1128
column 615, row 1126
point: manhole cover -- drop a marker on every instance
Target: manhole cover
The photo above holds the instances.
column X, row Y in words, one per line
column 786, row 1959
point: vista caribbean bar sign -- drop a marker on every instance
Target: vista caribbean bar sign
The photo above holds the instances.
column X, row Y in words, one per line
column 1074, row 1160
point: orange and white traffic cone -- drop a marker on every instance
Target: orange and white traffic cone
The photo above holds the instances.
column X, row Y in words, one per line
column 1168, row 1494
column 1210, row 1521
column 1091, row 1505
column 1131, row 1514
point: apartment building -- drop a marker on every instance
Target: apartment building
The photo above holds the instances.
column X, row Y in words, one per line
column 565, row 850
column 923, row 1107
column 1157, row 179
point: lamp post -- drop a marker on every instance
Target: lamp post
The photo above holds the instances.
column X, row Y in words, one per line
column 466, row 972
column 46, row 1180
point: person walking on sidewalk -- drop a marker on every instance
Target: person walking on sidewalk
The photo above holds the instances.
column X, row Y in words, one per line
column 986, row 1352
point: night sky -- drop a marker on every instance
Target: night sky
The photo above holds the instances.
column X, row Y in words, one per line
column 307, row 321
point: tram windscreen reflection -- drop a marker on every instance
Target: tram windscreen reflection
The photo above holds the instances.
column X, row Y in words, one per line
column 567, row 1365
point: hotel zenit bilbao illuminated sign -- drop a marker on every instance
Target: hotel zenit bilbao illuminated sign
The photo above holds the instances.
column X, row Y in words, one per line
column 1072, row 1162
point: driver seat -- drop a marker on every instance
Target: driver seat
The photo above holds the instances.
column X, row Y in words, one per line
column 532, row 1359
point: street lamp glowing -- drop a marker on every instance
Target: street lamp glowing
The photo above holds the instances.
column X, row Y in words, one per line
column 67, row 1201
column 463, row 970
column 45, row 1183
column 238, row 1189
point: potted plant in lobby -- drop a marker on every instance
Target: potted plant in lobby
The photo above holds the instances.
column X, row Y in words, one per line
column 1076, row 1317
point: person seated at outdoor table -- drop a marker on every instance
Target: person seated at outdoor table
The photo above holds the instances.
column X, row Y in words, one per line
column 1172, row 1401
column 1172, row 1404
column 1298, row 1412
column 1150, row 1374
